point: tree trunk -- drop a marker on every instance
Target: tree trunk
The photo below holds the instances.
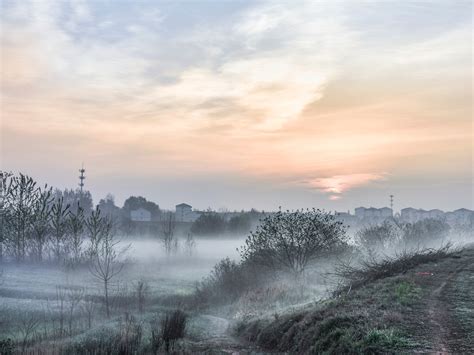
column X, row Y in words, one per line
column 106, row 289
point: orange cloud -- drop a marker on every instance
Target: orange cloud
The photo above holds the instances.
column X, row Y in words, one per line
column 338, row 184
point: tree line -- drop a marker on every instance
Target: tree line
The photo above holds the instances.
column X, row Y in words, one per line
column 39, row 224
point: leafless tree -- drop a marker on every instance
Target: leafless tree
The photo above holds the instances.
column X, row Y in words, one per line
column 107, row 264
column 189, row 244
column 18, row 205
column 59, row 224
column 94, row 227
column 26, row 329
column 76, row 232
column 41, row 221
column 141, row 290
column 4, row 185
column 89, row 307
column 168, row 225
column 61, row 303
column 74, row 297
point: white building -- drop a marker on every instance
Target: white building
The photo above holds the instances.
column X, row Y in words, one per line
column 185, row 213
column 140, row 215
column 373, row 213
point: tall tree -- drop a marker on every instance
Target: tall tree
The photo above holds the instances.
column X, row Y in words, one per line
column 106, row 263
column 41, row 221
column 59, row 227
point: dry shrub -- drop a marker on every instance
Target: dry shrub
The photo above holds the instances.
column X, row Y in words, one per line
column 173, row 327
column 372, row 269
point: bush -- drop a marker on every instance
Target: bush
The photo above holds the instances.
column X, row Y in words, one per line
column 371, row 270
column 228, row 281
column 372, row 239
column 291, row 240
column 208, row 224
column 6, row 346
column 424, row 233
column 173, row 327
column 240, row 224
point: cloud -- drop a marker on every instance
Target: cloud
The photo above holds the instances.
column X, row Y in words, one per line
column 337, row 185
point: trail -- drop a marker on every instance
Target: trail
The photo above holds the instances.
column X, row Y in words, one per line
column 451, row 295
column 219, row 340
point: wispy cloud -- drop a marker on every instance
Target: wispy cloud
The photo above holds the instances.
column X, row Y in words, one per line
column 336, row 185
column 269, row 90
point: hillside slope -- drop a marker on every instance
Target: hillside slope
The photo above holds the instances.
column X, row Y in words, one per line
column 429, row 308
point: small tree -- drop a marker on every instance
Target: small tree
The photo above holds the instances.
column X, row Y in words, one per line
column 425, row 232
column 18, row 205
column 168, row 225
column 189, row 245
column 74, row 297
column 76, row 223
column 106, row 263
column 173, row 327
column 59, row 227
column 378, row 237
column 141, row 290
column 290, row 240
column 94, row 226
column 89, row 306
column 41, row 221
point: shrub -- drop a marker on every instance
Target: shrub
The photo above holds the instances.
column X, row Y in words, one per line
column 173, row 327
column 6, row 346
column 376, row 237
column 371, row 269
column 424, row 233
column 208, row 224
column 291, row 240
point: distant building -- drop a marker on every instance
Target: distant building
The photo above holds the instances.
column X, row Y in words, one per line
column 140, row 215
column 373, row 213
column 185, row 213
column 460, row 216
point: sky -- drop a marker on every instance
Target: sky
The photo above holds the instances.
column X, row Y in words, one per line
column 241, row 104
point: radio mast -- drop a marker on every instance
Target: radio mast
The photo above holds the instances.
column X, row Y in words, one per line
column 82, row 177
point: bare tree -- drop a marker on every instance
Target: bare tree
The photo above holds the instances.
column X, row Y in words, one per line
column 89, row 306
column 41, row 221
column 189, row 244
column 94, row 226
column 141, row 290
column 18, row 205
column 59, row 227
column 74, row 297
column 61, row 303
column 168, row 225
column 26, row 329
column 76, row 231
column 106, row 263
column 4, row 185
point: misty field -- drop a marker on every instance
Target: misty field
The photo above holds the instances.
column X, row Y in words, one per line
column 31, row 295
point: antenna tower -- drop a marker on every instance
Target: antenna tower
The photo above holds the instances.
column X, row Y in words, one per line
column 82, row 177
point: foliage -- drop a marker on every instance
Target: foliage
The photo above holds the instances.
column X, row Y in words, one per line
column 291, row 240
column 375, row 238
column 424, row 232
column 240, row 224
column 135, row 202
column 209, row 223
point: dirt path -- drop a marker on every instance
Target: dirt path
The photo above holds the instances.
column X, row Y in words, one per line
column 449, row 305
column 219, row 339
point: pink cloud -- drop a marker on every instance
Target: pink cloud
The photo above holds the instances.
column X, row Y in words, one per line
column 338, row 184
